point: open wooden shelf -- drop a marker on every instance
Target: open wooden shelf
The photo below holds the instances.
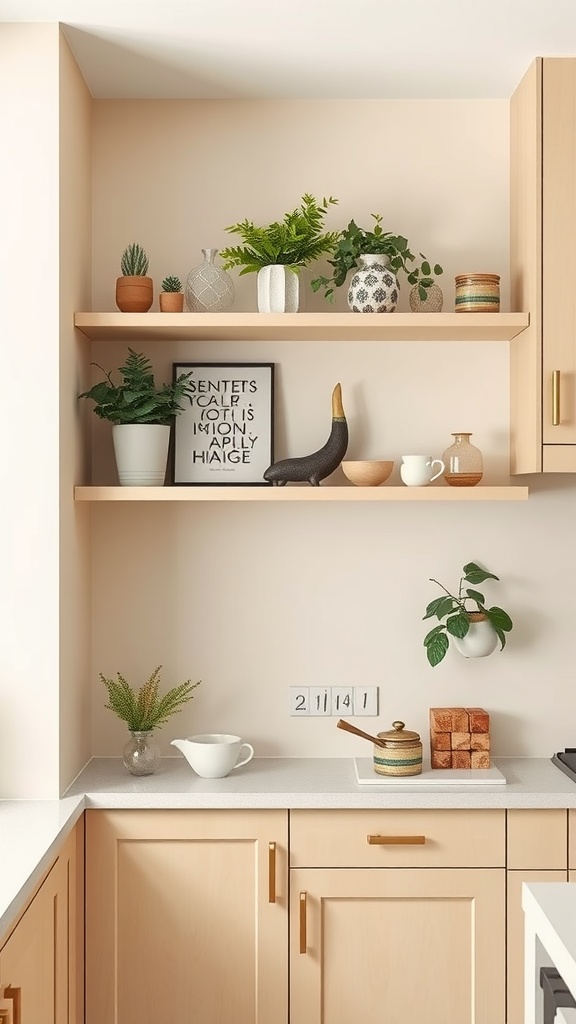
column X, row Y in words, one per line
column 137, row 327
column 302, row 493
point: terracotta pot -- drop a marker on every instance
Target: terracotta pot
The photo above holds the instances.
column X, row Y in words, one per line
column 134, row 294
column 171, row 302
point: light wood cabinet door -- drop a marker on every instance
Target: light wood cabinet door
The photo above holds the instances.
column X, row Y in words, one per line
column 42, row 960
column 186, row 915
column 543, row 221
column 33, row 978
column 397, row 945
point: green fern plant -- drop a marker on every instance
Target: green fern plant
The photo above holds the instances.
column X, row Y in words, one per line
column 144, row 709
column 295, row 241
column 138, row 399
column 171, row 284
column 134, row 262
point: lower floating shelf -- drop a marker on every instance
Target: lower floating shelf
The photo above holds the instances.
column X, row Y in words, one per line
column 302, row 493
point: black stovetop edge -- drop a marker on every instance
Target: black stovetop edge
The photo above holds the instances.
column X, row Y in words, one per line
column 562, row 765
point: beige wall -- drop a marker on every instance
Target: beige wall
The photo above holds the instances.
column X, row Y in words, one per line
column 254, row 598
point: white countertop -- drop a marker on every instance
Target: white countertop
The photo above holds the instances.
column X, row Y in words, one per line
column 31, row 831
column 315, row 783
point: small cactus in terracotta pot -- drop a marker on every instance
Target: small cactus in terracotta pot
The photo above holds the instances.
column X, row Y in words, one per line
column 134, row 290
column 171, row 296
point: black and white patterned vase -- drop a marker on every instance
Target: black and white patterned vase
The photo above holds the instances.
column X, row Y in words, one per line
column 374, row 287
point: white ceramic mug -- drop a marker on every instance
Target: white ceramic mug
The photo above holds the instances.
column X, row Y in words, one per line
column 418, row 470
column 213, row 755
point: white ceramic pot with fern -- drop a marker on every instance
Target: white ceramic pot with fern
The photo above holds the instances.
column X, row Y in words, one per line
column 279, row 251
column 141, row 412
column 141, row 451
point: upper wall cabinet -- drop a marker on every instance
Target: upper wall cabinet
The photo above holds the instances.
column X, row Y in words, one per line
column 543, row 266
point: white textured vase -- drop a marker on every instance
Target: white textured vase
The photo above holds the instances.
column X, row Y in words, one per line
column 480, row 640
column 373, row 287
column 141, row 451
column 278, row 290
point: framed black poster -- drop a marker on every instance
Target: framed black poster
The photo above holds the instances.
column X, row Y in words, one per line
column 225, row 435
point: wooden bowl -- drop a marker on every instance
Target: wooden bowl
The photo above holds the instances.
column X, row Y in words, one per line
column 367, row 473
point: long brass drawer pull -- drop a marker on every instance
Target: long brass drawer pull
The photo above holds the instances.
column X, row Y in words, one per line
column 396, row 840
column 271, row 872
column 555, row 398
column 303, row 908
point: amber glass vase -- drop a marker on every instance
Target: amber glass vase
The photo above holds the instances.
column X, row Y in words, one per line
column 463, row 462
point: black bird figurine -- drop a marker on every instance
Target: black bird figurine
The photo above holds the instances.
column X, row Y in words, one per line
column 320, row 464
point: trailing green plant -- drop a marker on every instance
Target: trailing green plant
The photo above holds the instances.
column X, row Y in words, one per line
column 423, row 276
column 134, row 262
column 354, row 242
column 453, row 608
column 144, row 708
column 171, row 284
column 138, row 399
column 295, row 241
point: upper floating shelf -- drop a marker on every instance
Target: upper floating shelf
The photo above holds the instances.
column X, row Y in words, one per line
column 302, row 493
column 134, row 327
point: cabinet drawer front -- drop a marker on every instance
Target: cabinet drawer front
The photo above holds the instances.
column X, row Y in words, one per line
column 537, row 839
column 391, row 838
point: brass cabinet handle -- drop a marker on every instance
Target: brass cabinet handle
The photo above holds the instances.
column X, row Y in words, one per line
column 10, row 1014
column 271, row 872
column 303, row 907
column 555, row 398
column 396, row 840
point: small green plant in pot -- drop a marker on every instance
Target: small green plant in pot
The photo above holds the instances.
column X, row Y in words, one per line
column 144, row 709
column 290, row 244
column 425, row 295
column 171, row 296
column 134, row 290
column 354, row 250
column 475, row 631
column 141, row 412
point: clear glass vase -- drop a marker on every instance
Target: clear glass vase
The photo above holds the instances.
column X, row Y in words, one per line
column 141, row 754
column 463, row 462
column 209, row 289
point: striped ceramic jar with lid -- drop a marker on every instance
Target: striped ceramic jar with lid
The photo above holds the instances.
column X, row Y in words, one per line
column 477, row 293
column 401, row 753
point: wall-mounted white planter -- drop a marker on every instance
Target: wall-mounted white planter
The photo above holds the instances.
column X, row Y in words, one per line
column 480, row 640
column 278, row 290
column 141, row 451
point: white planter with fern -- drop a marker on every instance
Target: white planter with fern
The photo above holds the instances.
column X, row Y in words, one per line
column 278, row 289
column 141, row 413
column 141, row 451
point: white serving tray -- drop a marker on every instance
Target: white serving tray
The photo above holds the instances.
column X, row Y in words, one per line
column 492, row 776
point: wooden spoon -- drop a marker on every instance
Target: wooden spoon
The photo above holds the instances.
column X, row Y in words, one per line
column 341, row 724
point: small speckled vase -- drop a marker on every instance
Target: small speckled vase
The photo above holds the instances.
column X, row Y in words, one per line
column 374, row 287
column 141, row 755
column 431, row 304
